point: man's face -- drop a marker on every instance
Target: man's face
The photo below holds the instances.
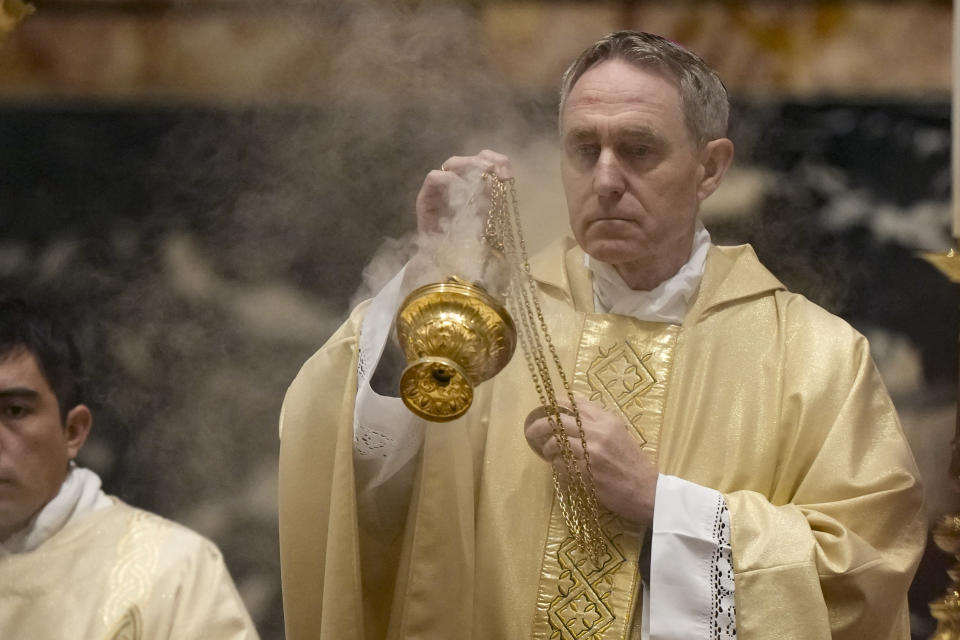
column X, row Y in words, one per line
column 631, row 172
column 35, row 445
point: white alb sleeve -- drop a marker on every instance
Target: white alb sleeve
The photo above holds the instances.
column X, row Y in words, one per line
column 691, row 564
column 386, row 436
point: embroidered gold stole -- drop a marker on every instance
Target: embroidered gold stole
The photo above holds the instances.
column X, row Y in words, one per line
column 624, row 365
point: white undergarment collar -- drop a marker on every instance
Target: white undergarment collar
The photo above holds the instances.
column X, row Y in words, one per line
column 668, row 302
column 79, row 494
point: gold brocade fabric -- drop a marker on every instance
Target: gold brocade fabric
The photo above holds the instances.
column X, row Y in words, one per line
column 771, row 401
column 623, row 365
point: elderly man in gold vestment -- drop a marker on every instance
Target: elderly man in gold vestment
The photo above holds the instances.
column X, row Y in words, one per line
column 753, row 477
column 74, row 562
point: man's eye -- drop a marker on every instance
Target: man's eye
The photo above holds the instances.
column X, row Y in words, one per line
column 635, row 151
column 15, row 411
column 586, row 153
column 587, row 150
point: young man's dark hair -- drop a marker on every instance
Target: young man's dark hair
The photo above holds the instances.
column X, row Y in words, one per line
column 27, row 326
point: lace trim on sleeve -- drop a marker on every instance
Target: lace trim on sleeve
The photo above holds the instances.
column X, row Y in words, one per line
column 723, row 619
column 362, row 363
column 369, row 441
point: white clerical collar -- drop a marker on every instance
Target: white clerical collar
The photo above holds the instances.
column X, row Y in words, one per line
column 668, row 302
column 79, row 494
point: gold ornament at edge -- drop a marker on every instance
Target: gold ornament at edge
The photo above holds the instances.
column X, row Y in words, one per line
column 946, row 611
column 946, row 535
column 455, row 336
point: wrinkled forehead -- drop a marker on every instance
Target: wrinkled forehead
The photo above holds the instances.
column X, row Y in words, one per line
column 620, row 78
column 620, row 89
column 647, row 64
column 651, row 64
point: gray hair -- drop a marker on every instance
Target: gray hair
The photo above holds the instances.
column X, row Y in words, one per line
column 703, row 97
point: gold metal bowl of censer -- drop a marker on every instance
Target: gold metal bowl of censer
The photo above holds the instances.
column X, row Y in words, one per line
column 454, row 335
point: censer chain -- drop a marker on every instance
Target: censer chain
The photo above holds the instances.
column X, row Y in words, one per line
column 577, row 496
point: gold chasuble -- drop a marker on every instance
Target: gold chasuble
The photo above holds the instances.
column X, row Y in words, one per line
column 759, row 394
column 120, row 573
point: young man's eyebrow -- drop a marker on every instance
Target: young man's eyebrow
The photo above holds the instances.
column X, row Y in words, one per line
column 19, row 392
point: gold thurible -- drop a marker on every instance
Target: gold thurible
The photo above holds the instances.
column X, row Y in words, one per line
column 455, row 335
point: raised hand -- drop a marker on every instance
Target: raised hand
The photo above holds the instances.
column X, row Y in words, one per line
column 456, row 175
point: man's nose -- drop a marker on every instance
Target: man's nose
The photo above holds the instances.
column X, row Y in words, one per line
column 608, row 178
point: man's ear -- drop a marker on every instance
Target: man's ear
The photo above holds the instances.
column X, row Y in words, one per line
column 76, row 428
column 716, row 157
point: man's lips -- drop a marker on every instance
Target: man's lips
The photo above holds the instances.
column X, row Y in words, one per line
column 610, row 221
column 609, row 216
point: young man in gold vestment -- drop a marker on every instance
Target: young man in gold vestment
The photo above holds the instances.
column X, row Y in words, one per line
column 75, row 562
column 753, row 475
